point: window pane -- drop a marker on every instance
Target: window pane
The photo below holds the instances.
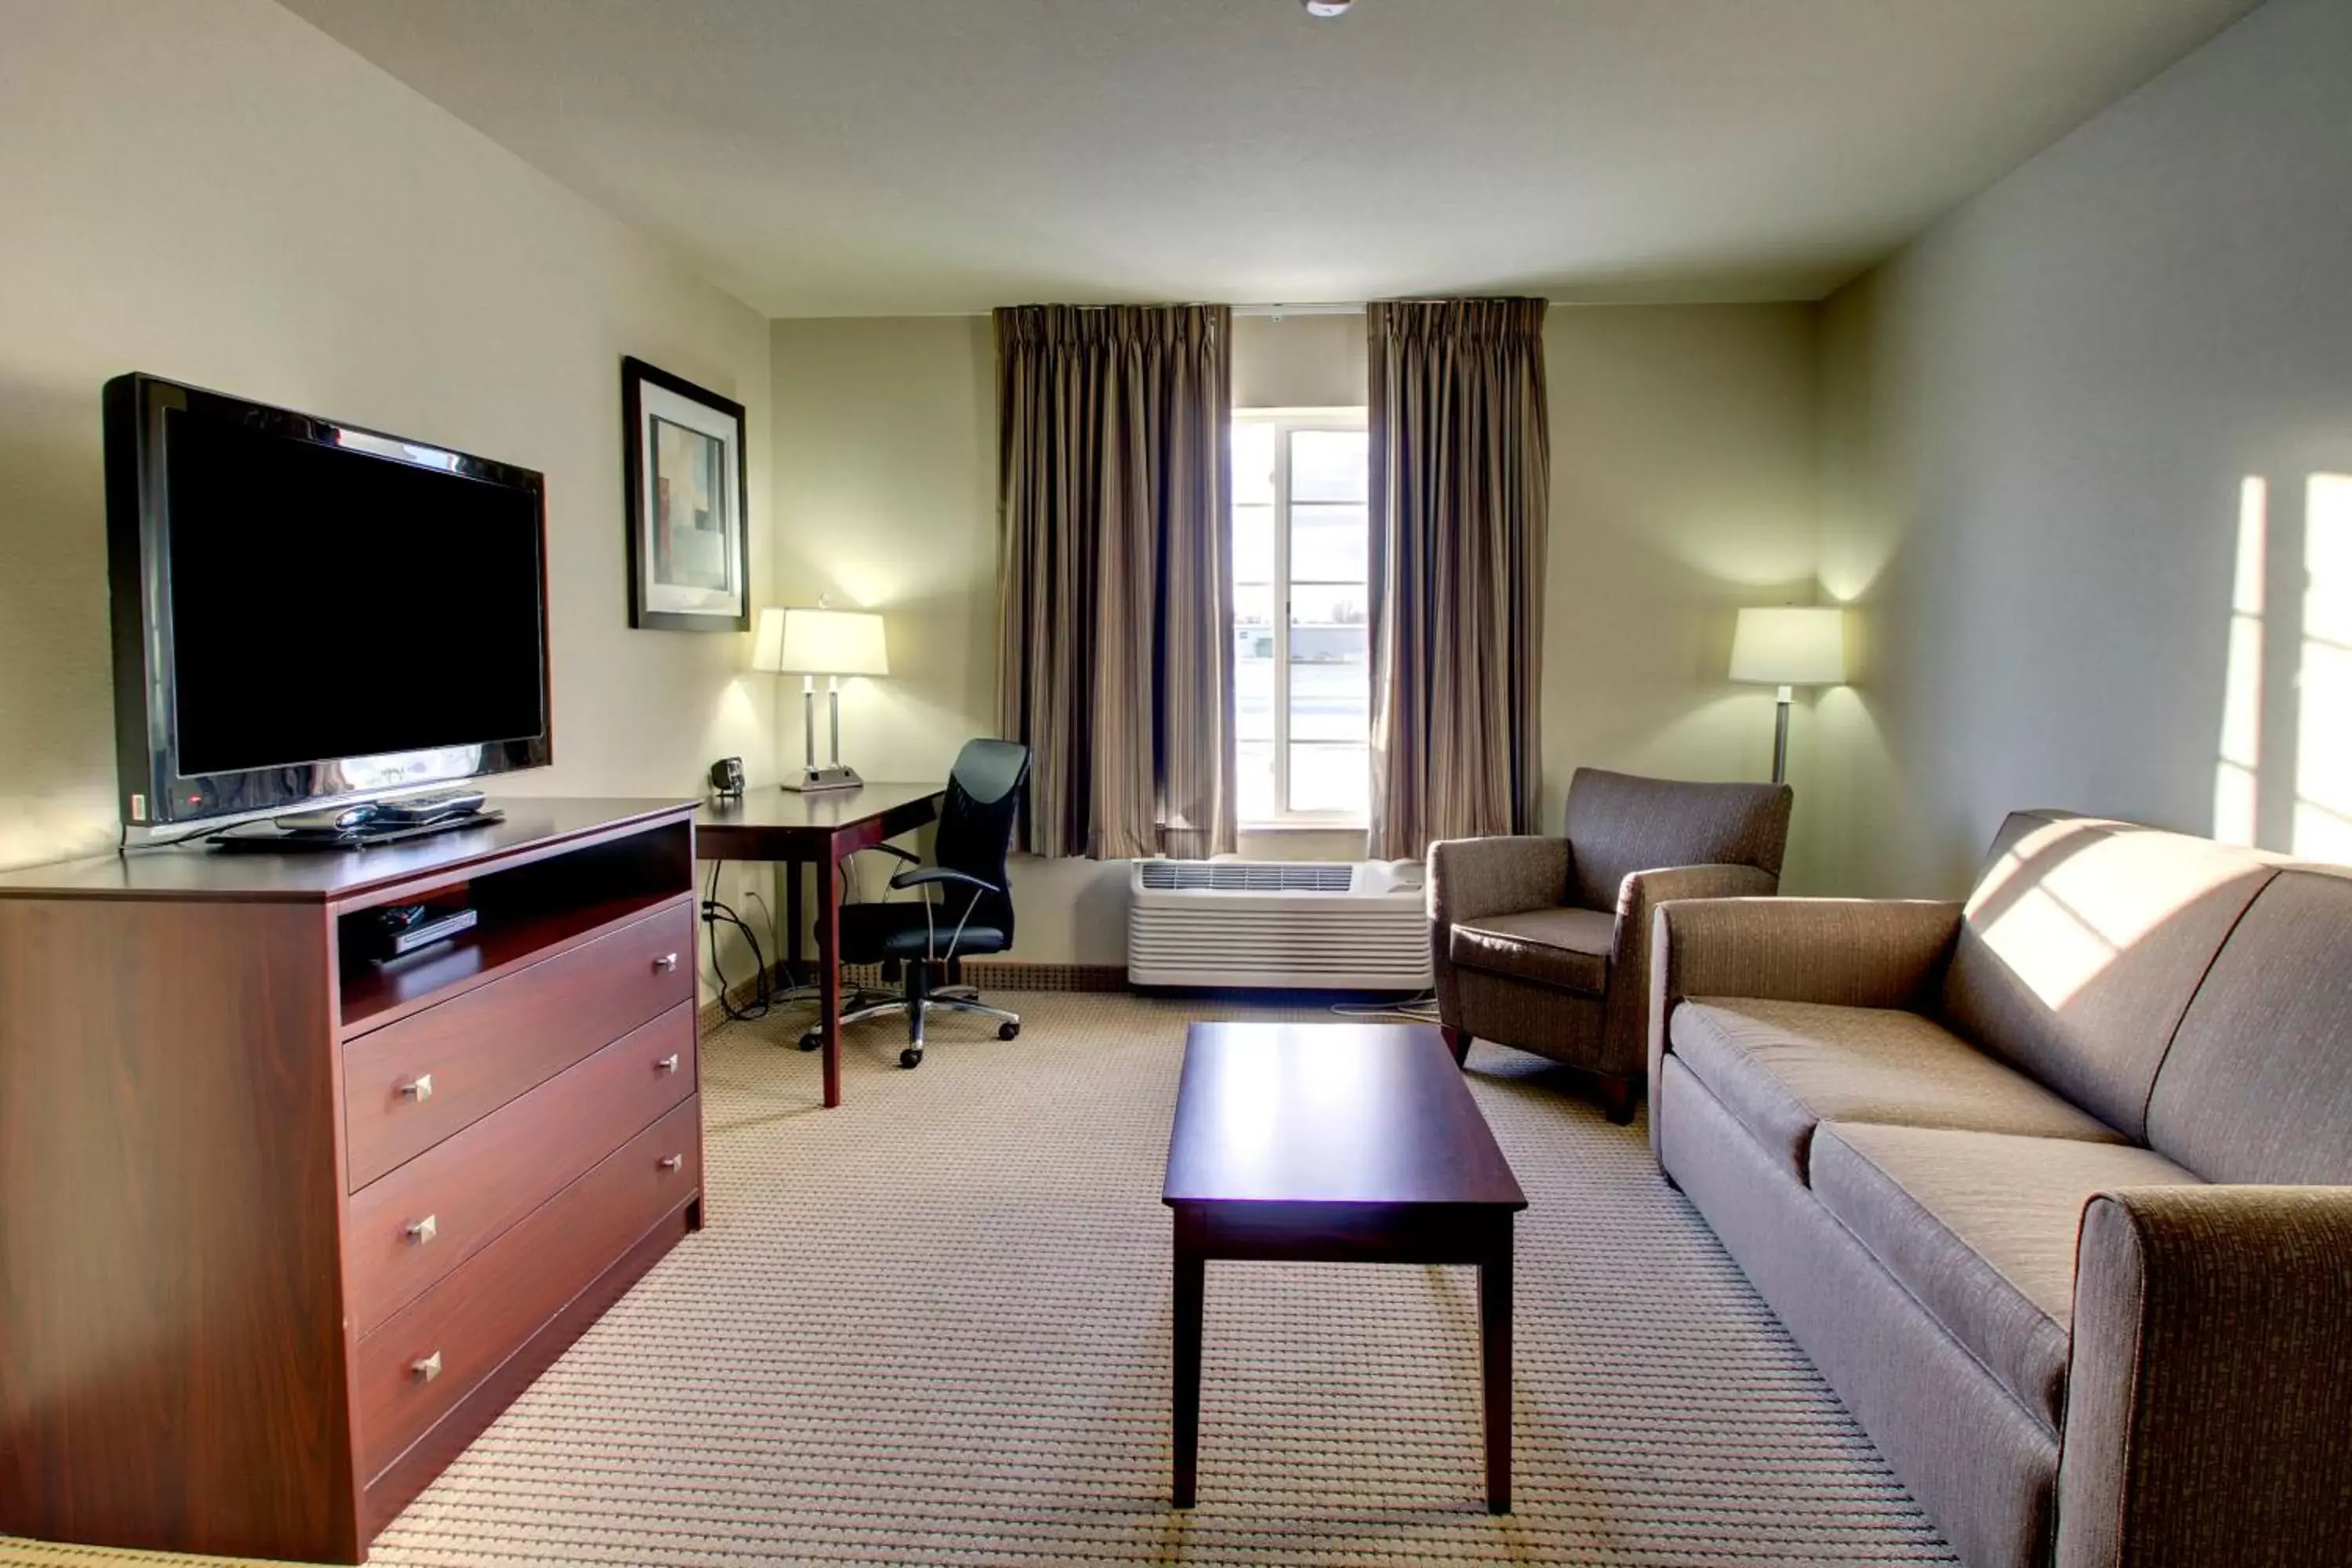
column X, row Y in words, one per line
column 1253, row 464
column 1326, row 465
column 1254, row 608
column 1253, row 685
column 1327, row 544
column 1331, row 779
column 1254, row 545
column 1328, row 604
column 1330, row 701
column 1254, row 781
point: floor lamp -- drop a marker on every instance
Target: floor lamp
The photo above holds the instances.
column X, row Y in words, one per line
column 810, row 643
column 1789, row 647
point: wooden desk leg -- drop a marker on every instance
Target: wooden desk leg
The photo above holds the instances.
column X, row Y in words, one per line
column 1192, row 1287
column 1495, row 1355
column 828, row 962
column 794, row 916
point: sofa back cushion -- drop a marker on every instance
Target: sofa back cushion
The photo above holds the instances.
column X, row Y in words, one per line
column 2258, row 1086
column 2081, row 948
column 1619, row 824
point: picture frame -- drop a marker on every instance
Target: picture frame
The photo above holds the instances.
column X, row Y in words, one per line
column 689, row 550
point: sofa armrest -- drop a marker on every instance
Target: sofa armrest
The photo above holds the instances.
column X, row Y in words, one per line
column 1469, row 877
column 1852, row 952
column 2209, row 1412
column 1638, row 897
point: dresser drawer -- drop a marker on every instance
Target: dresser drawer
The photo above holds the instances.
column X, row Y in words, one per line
column 412, row 1227
column 426, row 1356
column 411, row 1084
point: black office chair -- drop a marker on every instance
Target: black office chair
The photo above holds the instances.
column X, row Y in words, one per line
column 971, row 915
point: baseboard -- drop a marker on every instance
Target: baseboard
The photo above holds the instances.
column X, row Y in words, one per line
column 987, row 973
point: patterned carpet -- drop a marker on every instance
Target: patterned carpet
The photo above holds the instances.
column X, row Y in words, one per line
column 933, row 1326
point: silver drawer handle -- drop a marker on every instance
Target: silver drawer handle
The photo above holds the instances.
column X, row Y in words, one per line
column 665, row 964
column 672, row 1162
column 423, row 1231
column 667, row 1063
column 428, row 1369
column 420, row 1090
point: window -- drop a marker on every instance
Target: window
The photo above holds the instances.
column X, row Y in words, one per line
column 1302, row 637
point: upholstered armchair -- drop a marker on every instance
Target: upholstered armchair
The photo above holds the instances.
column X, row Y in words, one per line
column 1543, row 943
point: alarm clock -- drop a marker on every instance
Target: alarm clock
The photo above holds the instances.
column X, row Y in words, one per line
column 727, row 777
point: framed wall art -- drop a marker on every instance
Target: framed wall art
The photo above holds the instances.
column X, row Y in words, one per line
column 690, row 551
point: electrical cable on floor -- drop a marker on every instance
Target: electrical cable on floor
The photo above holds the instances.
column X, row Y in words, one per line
column 714, row 914
column 1421, row 1009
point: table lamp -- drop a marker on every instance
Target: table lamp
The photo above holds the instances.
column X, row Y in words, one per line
column 1789, row 647
column 810, row 643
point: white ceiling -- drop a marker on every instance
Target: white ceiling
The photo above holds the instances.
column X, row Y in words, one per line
column 859, row 157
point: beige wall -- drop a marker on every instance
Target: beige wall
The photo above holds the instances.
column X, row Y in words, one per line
column 1299, row 362
column 2041, row 420
column 1682, row 487
column 221, row 195
column 1684, row 461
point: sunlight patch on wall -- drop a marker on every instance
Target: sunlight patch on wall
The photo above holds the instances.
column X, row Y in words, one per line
column 2236, row 775
column 2323, row 784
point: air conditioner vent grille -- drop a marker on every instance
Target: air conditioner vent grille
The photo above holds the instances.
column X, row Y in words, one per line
column 1248, row 876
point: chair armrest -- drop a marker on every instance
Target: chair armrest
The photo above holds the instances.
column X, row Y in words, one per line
column 909, row 856
column 1852, row 952
column 930, row 875
column 2209, row 1411
column 1627, row 1008
column 1469, row 877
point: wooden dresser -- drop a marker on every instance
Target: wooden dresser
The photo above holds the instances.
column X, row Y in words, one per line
column 283, row 1228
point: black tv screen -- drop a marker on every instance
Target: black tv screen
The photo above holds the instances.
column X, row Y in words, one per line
column 319, row 610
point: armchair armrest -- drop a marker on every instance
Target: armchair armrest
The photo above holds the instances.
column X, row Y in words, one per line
column 1469, row 877
column 1638, row 897
column 2209, row 1411
column 930, row 875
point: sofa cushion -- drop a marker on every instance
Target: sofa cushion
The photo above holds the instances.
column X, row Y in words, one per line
column 1980, row 1228
column 2082, row 945
column 2258, row 1086
column 1562, row 947
column 1781, row 1068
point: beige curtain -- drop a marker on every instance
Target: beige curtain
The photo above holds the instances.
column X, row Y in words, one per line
column 1461, row 463
column 1117, row 618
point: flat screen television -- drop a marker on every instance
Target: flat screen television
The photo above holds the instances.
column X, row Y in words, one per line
column 306, row 611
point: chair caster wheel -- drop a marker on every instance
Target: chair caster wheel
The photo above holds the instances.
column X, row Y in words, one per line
column 1008, row 1031
column 812, row 1040
column 912, row 1056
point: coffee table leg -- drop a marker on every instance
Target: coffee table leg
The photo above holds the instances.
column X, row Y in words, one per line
column 1495, row 1353
column 1192, row 1284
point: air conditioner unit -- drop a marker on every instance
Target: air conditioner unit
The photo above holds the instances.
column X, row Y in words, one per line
column 1324, row 926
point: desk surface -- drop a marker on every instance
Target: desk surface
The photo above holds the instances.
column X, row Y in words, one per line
column 767, row 807
column 1329, row 1113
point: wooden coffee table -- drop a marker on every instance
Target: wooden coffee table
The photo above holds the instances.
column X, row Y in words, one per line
column 1337, row 1143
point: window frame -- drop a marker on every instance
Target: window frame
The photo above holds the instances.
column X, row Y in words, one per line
column 1285, row 422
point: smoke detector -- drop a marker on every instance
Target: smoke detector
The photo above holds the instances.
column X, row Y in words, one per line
column 1327, row 7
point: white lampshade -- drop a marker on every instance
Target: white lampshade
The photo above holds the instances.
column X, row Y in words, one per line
column 820, row 642
column 1790, row 645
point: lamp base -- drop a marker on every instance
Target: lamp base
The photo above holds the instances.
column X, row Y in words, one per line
column 833, row 775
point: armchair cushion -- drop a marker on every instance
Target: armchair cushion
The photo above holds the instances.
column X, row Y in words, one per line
column 1782, row 1069
column 1557, row 946
column 1980, row 1228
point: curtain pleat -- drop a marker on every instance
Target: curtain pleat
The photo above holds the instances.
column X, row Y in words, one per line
column 1460, row 496
column 1115, row 616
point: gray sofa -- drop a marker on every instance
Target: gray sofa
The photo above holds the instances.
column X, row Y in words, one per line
column 2051, row 1186
column 1543, row 943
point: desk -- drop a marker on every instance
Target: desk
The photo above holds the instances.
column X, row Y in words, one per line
column 817, row 828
